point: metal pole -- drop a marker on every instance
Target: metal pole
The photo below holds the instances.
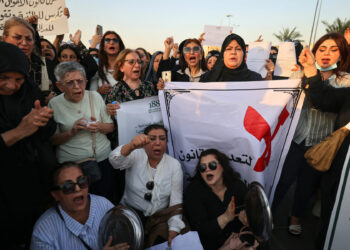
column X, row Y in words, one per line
column 313, row 23
column 317, row 22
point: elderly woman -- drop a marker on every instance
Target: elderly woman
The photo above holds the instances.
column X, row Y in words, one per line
column 82, row 124
column 19, row 32
column 211, row 198
column 74, row 221
column 25, row 152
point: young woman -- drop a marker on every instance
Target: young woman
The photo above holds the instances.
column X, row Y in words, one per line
column 111, row 45
column 331, row 55
column 151, row 75
column 211, row 58
column 211, row 198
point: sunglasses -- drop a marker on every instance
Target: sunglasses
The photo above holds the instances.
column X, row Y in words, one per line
column 195, row 49
column 113, row 40
column 149, row 186
column 212, row 166
column 68, row 187
column 132, row 62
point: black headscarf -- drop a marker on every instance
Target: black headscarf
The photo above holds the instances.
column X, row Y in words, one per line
column 151, row 75
column 221, row 73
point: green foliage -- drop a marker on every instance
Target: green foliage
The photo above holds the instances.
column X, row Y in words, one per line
column 287, row 33
column 337, row 26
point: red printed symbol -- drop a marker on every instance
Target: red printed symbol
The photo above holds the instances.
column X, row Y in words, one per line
column 256, row 125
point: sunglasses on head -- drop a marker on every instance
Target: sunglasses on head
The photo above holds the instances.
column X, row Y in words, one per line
column 114, row 40
column 68, row 187
column 203, row 166
column 149, row 186
column 132, row 62
column 195, row 49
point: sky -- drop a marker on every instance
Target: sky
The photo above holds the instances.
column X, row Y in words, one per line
column 146, row 23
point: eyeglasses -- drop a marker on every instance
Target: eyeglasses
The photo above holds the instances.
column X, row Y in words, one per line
column 212, row 166
column 20, row 39
column 113, row 40
column 149, row 186
column 71, row 83
column 132, row 62
column 195, row 49
column 68, row 187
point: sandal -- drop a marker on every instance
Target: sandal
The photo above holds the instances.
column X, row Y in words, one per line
column 295, row 230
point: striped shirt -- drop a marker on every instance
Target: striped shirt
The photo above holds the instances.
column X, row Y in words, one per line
column 314, row 125
column 51, row 232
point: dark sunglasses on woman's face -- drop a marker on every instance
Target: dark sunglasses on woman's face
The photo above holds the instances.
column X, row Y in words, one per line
column 114, row 40
column 68, row 187
column 132, row 62
column 212, row 166
column 195, row 49
column 149, row 186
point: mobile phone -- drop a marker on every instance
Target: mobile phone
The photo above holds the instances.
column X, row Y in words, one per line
column 166, row 76
column 99, row 30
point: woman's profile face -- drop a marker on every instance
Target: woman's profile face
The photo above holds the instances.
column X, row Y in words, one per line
column 10, row 82
column 211, row 177
column 68, row 55
column 111, row 45
column 76, row 201
column 233, row 55
column 327, row 53
column 131, row 66
column 156, row 62
column 211, row 62
column 192, row 54
column 22, row 37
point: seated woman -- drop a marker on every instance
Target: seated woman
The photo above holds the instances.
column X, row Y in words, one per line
column 74, row 221
column 153, row 183
column 231, row 66
column 211, row 198
column 25, row 153
column 81, row 135
column 192, row 61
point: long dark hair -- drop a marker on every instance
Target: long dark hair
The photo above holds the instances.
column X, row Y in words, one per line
column 229, row 175
column 183, row 63
column 102, row 56
column 343, row 49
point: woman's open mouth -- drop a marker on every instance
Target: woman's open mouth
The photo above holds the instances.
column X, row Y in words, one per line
column 209, row 177
column 79, row 200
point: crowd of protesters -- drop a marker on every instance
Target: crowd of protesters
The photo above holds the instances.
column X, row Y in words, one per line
column 58, row 138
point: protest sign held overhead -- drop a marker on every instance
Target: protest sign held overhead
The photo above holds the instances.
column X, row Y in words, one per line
column 50, row 14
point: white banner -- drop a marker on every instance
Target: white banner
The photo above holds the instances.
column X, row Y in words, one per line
column 50, row 13
column 251, row 122
column 134, row 116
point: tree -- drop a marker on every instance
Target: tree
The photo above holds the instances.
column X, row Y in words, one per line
column 337, row 26
column 286, row 34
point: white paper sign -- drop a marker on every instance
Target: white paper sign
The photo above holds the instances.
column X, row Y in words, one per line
column 257, row 55
column 215, row 35
column 50, row 13
column 187, row 241
column 339, row 224
column 286, row 59
column 251, row 122
column 134, row 116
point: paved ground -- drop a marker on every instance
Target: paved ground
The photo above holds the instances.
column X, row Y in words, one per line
column 281, row 239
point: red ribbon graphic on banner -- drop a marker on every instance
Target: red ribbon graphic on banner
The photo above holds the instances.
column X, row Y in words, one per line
column 256, row 125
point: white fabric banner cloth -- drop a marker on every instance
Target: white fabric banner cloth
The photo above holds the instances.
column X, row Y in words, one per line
column 50, row 14
column 134, row 116
column 251, row 122
column 187, row 241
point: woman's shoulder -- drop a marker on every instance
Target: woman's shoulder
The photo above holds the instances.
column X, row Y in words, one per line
column 196, row 188
column 343, row 80
column 254, row 76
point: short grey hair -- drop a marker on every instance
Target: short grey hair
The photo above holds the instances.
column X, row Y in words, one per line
column 66, row 67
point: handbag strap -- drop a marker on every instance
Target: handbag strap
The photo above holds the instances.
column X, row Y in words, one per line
column 91, row 100
column 61, row 216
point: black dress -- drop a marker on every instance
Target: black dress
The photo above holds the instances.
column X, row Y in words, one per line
column 202, row 207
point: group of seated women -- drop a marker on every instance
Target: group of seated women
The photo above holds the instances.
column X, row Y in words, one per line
column 80, row 123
